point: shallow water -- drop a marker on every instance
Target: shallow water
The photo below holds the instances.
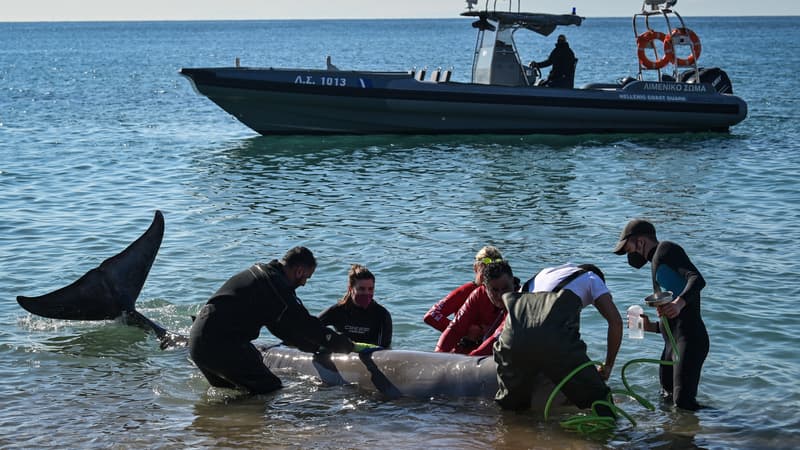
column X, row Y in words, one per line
column 98, row 131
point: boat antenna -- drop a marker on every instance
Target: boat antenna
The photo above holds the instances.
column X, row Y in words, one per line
column 471, row 4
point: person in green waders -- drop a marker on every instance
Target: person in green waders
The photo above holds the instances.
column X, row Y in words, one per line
column 541, row 335
column 672, row 271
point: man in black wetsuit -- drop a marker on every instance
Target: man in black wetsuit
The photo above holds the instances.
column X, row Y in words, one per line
column 262, row 295
column 562, row 75
column 673, row 271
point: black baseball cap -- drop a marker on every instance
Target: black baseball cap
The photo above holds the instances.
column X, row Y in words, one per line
column 635, row 227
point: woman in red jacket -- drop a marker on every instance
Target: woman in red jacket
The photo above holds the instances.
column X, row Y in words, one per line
column 484, row 310
column 437, row 316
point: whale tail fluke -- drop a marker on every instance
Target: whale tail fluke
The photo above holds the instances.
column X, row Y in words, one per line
column 109, row 290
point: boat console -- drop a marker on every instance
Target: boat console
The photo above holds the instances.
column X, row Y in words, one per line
column 496, row 61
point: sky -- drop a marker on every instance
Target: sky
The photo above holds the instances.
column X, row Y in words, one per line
column 113, row 10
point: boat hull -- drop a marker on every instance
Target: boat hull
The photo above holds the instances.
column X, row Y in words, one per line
column 297, row 101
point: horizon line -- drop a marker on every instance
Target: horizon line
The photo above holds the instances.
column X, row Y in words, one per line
column 328, row 19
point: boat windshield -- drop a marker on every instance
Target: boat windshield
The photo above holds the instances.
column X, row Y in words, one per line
column 496, row 60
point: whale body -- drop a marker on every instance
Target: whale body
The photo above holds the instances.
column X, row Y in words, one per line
column 394, row 373
column 406, row 373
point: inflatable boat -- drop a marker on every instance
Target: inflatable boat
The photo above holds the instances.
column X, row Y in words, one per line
column 670, row 93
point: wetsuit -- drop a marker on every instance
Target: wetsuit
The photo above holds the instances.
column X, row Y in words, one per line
column 541, row 334
column 673, row 271
column 372, row 325
column 220, row 338
column 477, row 310
column 563, row 61
column 437, row 316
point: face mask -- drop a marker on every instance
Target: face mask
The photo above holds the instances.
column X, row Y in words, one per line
column 636, row 260
column 362, row 300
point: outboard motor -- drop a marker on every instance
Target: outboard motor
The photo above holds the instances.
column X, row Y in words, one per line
column 713, row 76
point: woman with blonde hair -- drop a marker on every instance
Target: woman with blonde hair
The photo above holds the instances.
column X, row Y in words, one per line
column 357, row 315
column 437, row 315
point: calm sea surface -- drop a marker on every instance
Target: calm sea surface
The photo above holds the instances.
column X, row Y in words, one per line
column 98, row 130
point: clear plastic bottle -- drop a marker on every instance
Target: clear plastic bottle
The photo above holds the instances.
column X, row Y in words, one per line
column 635, row 322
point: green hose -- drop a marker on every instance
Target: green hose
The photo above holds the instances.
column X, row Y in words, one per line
column 665, row 324
column 593, row 422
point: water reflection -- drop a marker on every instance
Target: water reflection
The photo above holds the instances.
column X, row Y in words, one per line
column 109, row 340
column 341, row 417
column 294, row 145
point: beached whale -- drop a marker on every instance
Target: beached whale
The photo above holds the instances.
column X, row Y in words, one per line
column 109, row 292
column 393, row 373
column 406, row 373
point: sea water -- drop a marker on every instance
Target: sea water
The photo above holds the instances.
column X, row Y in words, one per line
column 98, row 130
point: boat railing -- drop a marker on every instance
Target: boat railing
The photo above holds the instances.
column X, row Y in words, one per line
column 675, row 35
column 437, row 76
column 441, row 76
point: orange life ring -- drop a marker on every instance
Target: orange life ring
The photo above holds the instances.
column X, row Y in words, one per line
column 678, row 36
column 645, row 41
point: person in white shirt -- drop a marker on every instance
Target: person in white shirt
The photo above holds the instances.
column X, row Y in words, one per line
column 541, row 334
column 590, row 287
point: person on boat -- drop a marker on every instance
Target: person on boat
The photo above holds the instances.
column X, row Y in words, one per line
column 262, row 295
column 672, row 270
column 438, row 315
column 541, row 335
column 563, row 60
column 357, row 315
column 483, row 309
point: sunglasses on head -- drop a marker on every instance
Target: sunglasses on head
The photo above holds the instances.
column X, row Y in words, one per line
column 488, row 260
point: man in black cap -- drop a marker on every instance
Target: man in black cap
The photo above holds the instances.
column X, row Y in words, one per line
column 672, row 271
column 563, row 60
